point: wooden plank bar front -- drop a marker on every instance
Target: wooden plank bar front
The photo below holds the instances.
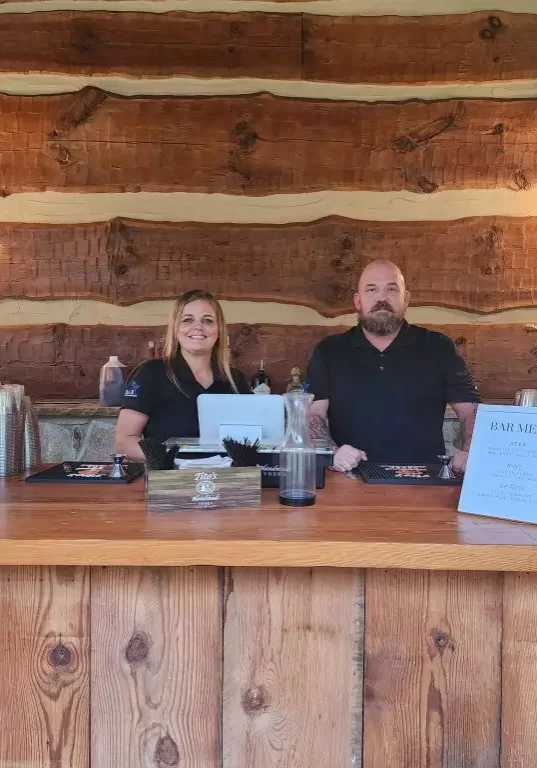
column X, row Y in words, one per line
column 425, row 659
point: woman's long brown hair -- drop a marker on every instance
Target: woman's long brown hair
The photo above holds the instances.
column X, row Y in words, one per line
column 219, row 355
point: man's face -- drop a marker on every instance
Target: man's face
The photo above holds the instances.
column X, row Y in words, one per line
column 381, row 299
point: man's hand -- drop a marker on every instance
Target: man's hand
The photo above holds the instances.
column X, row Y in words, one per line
column 458, row 462
column 347, row 458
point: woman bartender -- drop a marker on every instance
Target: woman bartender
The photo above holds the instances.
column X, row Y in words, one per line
column 160, row 398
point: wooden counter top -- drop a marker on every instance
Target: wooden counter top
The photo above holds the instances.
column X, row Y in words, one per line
column 352, row 524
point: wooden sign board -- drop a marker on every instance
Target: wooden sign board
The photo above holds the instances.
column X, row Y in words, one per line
column 174, row 489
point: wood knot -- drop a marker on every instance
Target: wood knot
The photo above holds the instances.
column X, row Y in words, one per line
column 404, row 144
column 335, row 293
column 121, row 269
column 491, row 239
column 494, row 25
column 60, row 656
column 63, row 156
column 498, row 129
column 341, row 265
column 166, row 752
column 522, row 181
column 137, row 650
column 426, row 185
column 234, row 29
column 441, row 639
column 494, row 22
column 346, row 243
column 245, row 137
column 255, row 699
column 460, row 341
column 248, row 140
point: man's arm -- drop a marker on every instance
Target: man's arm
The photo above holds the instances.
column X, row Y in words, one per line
column 466, row 413
column 346, row 457
column 319, row 429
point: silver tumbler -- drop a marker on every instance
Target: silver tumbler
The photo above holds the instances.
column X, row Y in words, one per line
column 18, row 395
column 528, row 397
column 10, row 455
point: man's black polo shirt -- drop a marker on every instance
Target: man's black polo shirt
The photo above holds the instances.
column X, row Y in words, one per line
column 172, row 412
column 390, row 404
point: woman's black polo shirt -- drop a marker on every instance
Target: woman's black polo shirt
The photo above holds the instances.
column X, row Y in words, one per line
column 172, row 413
column 390, row 404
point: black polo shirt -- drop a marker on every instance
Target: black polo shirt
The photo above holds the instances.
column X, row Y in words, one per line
column 172, row 412
column 390, row 404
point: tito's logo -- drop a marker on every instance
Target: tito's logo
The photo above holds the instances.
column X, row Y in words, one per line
column 205, row 487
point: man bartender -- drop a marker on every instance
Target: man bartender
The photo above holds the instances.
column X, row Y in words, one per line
column 381, row 388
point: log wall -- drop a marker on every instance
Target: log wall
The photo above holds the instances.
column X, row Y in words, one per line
column 63, row 360
column 266, row 155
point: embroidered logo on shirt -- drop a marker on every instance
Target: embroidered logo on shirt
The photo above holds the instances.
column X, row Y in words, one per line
column 132, row 390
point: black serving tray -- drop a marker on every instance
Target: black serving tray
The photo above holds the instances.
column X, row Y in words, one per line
column 63, row 473
column 395, row 474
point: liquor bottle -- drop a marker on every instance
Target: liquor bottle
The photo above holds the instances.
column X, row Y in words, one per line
column 260, row 381
column 295, row 385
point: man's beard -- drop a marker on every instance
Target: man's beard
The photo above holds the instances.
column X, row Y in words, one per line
column 382, row 325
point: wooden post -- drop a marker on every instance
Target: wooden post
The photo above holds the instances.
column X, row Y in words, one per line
column 432, row 670
column 44, row 667
column 293, row 668
column 156, row 668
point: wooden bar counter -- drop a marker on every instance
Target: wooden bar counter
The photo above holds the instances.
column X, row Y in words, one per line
column 377, row 629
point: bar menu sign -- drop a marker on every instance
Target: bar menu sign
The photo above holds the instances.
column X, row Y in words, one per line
column 501, row 476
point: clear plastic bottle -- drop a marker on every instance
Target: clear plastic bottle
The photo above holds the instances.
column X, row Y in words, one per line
column 112, row 382
column 297, row 453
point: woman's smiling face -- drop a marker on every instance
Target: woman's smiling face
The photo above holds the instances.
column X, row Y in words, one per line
column 197, row 331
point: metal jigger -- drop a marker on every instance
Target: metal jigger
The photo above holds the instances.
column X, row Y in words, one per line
column 445, row 470
column 117, row 470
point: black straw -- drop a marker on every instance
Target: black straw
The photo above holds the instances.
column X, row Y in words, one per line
column 243, row 453
column 157, row 455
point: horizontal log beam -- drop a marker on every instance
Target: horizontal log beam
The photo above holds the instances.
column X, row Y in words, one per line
column 435, row 49
column 476, row 264
column 152, row 44
column 94, row 141
column 63, row 361
column 362, row 49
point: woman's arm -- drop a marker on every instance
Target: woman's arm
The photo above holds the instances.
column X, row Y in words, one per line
column 129, row 431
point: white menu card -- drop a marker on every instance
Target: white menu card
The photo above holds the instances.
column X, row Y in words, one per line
column 501, row 476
